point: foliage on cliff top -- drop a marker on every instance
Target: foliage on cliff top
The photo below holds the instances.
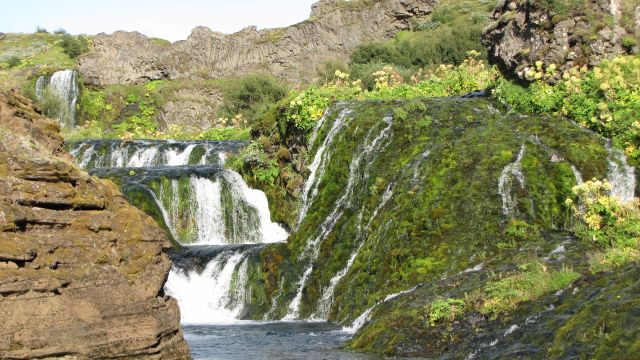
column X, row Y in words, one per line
column 23, row 56
column 445, row 37
column 605, row 99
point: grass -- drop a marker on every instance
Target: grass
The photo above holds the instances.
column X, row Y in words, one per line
column 532, row 282
column 38, row 54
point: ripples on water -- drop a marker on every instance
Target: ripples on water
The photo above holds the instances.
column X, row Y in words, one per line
column 279, row 341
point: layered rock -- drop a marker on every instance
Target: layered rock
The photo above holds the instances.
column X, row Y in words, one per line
column 293, row 53
column 525, row 32
column 81, row 271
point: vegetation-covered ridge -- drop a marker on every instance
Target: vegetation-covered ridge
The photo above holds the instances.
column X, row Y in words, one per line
column 24, row 57
column 449, row 206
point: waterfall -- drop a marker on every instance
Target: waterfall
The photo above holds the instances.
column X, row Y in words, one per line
column 316, row 169
column 205, row 207
column 151, row 153
column 621, row 175
column 505, row 183
column 327, row 296
column 358, row 170
column 366, row 316
column 214, row 296
column 63, row 84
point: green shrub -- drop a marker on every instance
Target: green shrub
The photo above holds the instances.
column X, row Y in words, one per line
column 60, row 31
column 41, row 30
column 445, row 310
column 605, row 99
column 50, row 104
column 13, row 61
column 73, row 46
column 247, row 95
column 228, row 133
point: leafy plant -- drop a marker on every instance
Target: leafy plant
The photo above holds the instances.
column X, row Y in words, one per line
column 445, row 310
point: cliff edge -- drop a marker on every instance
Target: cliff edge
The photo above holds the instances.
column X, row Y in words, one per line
column 81, row 271
column 334, row 28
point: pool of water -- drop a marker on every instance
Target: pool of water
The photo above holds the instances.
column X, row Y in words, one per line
column 277, row 340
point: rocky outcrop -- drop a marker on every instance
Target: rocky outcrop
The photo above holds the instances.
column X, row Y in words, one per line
column 81, row 271
column 524, row 32
column 191, row 108
column 293, row 53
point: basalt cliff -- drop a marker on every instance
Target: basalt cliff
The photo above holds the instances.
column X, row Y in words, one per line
column 334, row 28
column 81, row 271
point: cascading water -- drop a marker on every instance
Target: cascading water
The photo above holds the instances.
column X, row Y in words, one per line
column 203, row 206
column 621, row 175
column 505, row 183
column 216, row 295
column 63, row 85
column 151, row 153
column 358, row 170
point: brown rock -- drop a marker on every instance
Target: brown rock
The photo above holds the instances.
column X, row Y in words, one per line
column 524, row 32
column 81, row 271
column 293, row 53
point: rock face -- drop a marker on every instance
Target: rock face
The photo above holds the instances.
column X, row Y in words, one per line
column 524, row 32
column 334, row 28
column 81, row 271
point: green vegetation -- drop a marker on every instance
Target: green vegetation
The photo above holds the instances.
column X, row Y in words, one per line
column 607, row 221
column 604, row 99
column 282, row 130
column 532, row 282
column 73, row 46
column 24, row 57
column 445, row 37
column 445, row 310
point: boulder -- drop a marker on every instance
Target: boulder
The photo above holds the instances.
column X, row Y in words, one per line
column 81, row 271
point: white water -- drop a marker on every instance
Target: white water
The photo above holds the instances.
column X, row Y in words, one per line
column 316, row 169
column 179, row 158
column 325, row 301
column 505, row 183
column 206, row 201
column 366, row 316
column 211, row 297
column 577, row 175
column 142, row 155
column 64, row 85
column 312, row 248
column 247, row 222
column 621, row 175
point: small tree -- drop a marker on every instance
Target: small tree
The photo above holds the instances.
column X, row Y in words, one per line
column 41, row 30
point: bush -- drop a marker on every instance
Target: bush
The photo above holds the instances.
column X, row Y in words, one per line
column 445, row 310
column 247, row 95
column 73, row 46
column 326, row 71
column 605, row 99
column 60, row 31
column 41, row 30
column 50, row 104
column 13, row 61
